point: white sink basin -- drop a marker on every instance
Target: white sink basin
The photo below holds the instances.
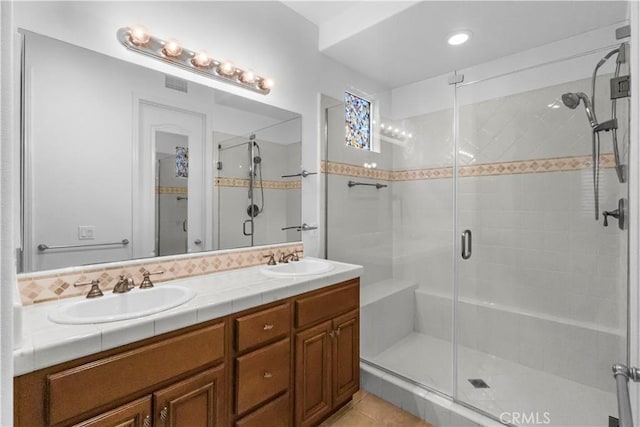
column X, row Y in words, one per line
column 112, row 307
column 304, row 267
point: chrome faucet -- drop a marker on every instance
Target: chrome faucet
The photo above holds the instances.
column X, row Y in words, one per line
column 124, row 285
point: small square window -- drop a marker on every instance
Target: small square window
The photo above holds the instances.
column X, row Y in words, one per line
column 357, row 114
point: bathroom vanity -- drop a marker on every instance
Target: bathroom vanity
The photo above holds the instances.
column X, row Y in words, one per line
column 277, row 361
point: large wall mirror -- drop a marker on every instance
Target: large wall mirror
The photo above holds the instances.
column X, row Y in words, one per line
column 123, row 162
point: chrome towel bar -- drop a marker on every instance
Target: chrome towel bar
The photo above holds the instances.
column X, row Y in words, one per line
column 377, row 184
column 44, row 247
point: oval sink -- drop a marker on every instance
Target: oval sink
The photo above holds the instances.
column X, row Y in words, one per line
column 304, row 267
column 113, row 307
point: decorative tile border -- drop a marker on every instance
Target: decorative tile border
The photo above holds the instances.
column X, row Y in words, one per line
column 336, row 168
column 558, row 164
column 270, row 185
column 46, row 286
column 171, row 190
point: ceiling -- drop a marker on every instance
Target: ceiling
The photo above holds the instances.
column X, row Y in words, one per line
column 410, row 44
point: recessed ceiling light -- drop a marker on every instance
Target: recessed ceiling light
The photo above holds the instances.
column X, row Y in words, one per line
column 459, row 37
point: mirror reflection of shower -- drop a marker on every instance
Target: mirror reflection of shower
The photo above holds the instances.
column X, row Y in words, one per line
column 255, row 171
column 619, row 89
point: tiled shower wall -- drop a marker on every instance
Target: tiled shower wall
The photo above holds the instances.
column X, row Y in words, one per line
column 537, row 246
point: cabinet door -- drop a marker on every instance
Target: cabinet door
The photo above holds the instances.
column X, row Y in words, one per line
column 134, row 414
column 313, row 374
column 197, row 401
column 346, row 357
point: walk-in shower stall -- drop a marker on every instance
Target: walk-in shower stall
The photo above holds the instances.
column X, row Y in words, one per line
column 488, row 280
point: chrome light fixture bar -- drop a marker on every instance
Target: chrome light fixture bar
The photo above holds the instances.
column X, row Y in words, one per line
column 138, row 39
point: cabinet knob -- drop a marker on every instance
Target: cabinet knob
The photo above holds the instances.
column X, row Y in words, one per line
column 332, row 334
column 164, row 414
column 268, row 375
column 267, row 327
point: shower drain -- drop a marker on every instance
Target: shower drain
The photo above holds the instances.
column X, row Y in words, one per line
column 478, row 383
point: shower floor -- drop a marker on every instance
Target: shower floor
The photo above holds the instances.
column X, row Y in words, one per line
column 512, row 387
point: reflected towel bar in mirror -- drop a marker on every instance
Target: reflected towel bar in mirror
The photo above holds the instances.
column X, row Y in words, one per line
column 377, row 184
column 44, row 247
column 303, row 174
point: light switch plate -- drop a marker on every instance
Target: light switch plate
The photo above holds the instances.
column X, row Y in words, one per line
column 86, row 232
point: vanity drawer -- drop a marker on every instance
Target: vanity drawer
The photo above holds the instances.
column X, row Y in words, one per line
column 276, row 414
column 266, row 325
column 262, row 374
column 327, row 304
column 81, row 389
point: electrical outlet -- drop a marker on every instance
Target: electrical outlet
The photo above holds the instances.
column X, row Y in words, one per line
column 86, row 232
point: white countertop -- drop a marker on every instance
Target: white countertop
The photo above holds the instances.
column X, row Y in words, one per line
column 46, row 343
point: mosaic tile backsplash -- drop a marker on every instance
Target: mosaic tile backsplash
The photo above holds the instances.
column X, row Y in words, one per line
column 52, row 285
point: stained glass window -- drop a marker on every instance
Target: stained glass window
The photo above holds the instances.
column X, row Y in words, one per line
column 182, row 162
column 357, row 114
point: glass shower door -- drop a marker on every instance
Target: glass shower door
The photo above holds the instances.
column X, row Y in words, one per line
column 541, row 284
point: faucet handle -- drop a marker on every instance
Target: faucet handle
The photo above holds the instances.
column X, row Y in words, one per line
column 272, row 259
column 95, row 291
column 146, row 281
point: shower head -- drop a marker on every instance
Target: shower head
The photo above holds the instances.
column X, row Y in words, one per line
column 572, row 100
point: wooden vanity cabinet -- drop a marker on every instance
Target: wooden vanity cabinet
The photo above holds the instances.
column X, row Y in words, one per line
column 289, row 363
column 134, row 414
column 327, row 344
column 105, row 389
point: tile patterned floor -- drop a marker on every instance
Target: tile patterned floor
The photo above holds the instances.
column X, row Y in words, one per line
column 367, row 410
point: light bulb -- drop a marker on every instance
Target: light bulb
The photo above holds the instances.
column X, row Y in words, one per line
column 248, row 77
column 227, row 68
column 459, row 38
column 172, row 48
column 202, row 59
column 396, row 130
column 139, row 35
column 381, row 125
column 374, row 165
column 403, row 133
column 410, row 136
column 266, row 84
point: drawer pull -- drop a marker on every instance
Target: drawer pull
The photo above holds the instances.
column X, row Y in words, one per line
column 332, row 334
column 338, row 331
column 147, row 421
column 268, row 375
column 164, row 414
column 267, row 327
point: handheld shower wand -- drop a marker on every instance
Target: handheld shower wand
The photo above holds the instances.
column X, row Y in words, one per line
column 572, row 100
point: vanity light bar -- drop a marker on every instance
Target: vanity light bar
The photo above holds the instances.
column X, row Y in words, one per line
column 138, row 39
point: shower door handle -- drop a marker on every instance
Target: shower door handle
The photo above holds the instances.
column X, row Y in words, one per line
column 244, row 227
column 466, row 244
